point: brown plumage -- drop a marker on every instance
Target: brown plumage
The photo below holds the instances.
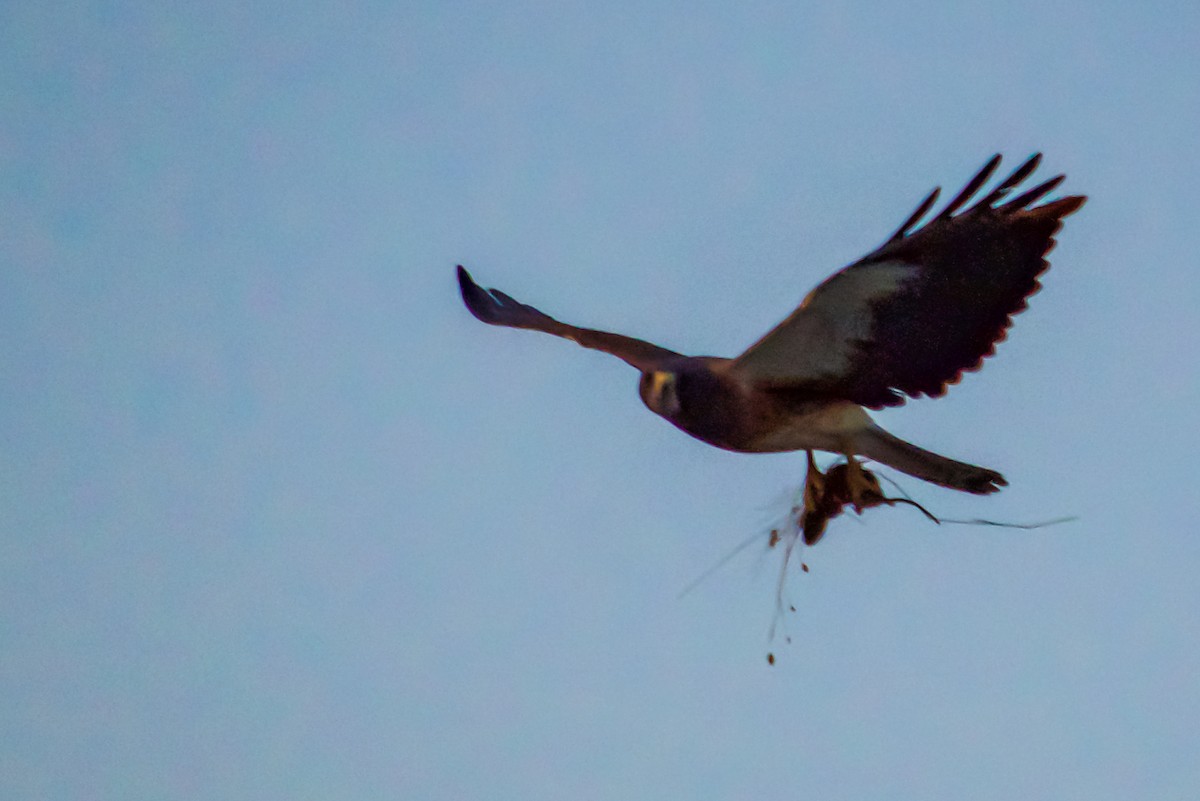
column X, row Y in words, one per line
column 906, row 320
column 978, row 269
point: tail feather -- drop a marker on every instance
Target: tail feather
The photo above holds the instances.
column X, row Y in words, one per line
column 877, row 444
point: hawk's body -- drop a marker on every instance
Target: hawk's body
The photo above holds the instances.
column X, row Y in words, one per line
column 906, row 320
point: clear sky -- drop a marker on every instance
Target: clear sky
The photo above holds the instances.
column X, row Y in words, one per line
column 280, row 520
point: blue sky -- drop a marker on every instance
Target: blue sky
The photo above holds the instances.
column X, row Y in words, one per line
column 281, row 521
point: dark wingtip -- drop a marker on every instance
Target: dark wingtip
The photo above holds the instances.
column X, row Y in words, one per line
column 973, row 186
column 913, row 218
column 464, row 279
column 476, row 298
column 1069, row 205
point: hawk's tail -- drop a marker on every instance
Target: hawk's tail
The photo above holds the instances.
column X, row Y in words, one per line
column 875, row 443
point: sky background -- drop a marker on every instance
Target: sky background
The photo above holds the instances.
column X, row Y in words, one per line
column 280, row 520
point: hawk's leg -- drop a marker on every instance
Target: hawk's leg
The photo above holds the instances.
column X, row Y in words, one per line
column 814, row 485
column 813, row 517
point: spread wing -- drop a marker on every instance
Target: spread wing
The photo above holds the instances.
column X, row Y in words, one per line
column 496, row 308
column 931, row 303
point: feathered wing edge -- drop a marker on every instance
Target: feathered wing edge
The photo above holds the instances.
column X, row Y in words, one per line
column 496, row 308
column 979, row 266
column 1019, row 238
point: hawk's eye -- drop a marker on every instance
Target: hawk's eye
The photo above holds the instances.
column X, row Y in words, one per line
column 659, row 392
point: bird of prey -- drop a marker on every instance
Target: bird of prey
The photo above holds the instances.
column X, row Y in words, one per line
column 904, row 321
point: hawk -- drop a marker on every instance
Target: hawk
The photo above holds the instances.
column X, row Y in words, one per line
column 904, row 321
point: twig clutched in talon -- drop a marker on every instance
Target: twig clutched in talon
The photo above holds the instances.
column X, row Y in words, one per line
column 975, row 521
column 825, row 496
column 850, row 484
column 846, row 484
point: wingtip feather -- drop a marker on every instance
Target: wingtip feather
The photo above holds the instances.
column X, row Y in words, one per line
column 1066, row 206
column 465, row 282
column 477, row 299
column 971, row 188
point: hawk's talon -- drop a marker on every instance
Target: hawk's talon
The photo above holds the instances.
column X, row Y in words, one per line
column 814, row 486
column 863, row 486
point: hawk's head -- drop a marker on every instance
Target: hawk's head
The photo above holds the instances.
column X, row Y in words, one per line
column 696, row 398
column 660, row 392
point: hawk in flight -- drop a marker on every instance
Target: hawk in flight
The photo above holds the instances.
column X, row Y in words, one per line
column 904, row 321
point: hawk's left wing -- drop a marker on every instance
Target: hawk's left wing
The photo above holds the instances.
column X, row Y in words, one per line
column 496, row 308
column 931, row 303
